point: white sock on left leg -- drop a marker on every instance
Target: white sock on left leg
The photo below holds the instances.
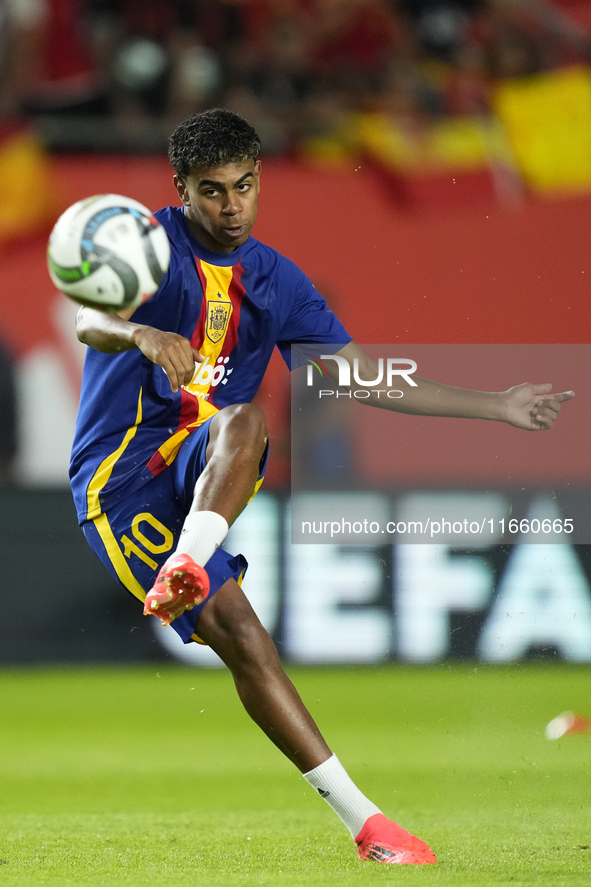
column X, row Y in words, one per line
column 333, row 783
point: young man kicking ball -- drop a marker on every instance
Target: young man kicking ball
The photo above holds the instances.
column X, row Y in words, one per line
column 169, row 448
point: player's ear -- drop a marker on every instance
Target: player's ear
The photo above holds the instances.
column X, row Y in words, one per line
column 181, row 188
column 257, row 173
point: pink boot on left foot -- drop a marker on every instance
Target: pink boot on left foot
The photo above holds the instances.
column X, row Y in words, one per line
column 382, row 840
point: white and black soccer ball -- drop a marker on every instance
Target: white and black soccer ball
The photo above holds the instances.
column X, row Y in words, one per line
column 108, row 252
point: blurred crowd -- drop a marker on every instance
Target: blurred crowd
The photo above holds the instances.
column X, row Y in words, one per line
column 116, row 73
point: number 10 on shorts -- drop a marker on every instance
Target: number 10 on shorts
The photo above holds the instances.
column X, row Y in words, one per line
column 129, row 546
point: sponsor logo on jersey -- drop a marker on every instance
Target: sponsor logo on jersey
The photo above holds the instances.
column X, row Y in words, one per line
column 208, row 375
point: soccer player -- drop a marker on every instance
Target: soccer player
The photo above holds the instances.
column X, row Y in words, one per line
column 169, row 448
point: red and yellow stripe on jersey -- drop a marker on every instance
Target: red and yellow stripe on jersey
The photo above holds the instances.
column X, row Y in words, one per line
column 215, row 335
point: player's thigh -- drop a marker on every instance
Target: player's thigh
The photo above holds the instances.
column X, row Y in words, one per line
column 193, row 456
column 196, row 451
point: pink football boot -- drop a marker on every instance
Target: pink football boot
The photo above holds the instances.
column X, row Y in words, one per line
column 181, row 585
column 382, row 840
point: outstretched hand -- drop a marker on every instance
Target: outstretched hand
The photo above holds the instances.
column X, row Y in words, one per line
column 533, row 407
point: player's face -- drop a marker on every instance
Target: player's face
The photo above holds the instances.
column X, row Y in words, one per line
column 221, row 203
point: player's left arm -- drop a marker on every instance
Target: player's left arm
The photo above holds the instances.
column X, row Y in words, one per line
column 527, row 406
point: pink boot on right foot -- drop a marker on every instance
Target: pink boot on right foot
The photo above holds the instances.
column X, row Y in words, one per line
column 181, row 585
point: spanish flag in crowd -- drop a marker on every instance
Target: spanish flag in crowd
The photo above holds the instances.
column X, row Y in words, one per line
column 548, row 121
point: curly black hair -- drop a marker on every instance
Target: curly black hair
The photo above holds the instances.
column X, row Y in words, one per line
column 211, row 138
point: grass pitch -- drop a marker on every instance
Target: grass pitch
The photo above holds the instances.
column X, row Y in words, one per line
column 155, row 776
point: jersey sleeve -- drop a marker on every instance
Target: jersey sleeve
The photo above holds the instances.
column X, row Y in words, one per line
column 308, row 318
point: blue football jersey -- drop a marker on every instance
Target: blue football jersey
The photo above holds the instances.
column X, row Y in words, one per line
column 234, row 308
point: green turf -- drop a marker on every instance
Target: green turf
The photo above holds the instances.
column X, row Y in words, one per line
column 155, row 776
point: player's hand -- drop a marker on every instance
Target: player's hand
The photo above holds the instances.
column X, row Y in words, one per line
column 172, row 352
column 533, row 407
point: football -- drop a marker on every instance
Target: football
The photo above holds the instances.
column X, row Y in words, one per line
column 108, row 252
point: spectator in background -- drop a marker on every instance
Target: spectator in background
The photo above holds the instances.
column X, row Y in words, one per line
column 163, row 61
column 51, row 67
column 529, row 36
column 356, row 40
column 270, row 73
column 442, row 26
column 22, row 24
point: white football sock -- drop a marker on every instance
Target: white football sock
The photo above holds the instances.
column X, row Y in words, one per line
column 332, row 781
column 202, row 533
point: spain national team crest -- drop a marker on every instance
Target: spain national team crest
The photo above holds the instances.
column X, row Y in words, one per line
column 218, row 316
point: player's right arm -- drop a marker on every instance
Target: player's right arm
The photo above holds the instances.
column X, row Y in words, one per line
column 111, row 333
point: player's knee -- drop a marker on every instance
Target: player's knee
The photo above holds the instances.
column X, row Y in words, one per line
column 249, row 420
column 245, row 427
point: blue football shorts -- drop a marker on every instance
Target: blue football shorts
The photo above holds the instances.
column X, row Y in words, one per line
column 140, row 531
